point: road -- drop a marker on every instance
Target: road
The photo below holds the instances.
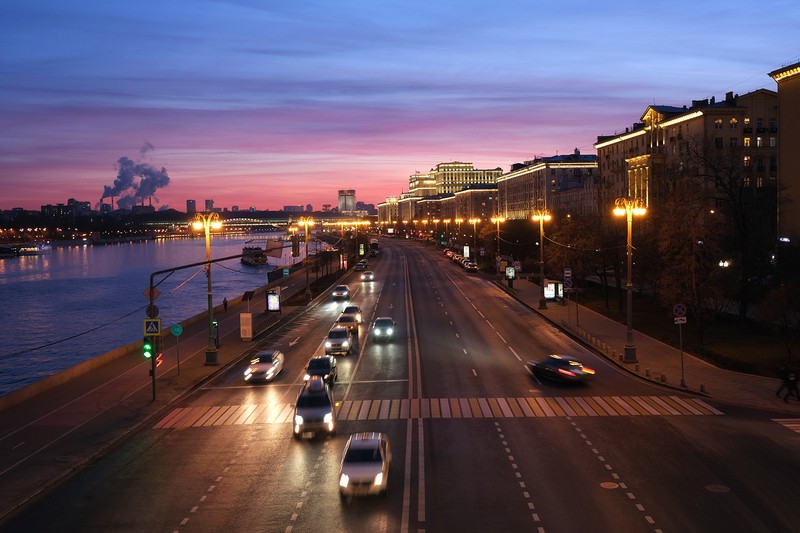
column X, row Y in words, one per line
column 478, row 443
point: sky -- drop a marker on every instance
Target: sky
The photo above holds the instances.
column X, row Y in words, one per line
column 266, row 103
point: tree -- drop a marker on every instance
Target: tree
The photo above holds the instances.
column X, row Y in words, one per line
column 781, row 309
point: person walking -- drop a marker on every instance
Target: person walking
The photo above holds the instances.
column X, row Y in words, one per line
column 225, row 304
column 791, row 386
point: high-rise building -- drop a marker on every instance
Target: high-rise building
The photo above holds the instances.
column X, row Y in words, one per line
column 347, row 200
column 191, row 207
column 209, row 205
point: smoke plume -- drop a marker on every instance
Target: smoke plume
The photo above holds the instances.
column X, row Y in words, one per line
column 135, row 181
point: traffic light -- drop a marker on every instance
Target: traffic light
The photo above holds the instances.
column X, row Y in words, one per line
column 147, row 347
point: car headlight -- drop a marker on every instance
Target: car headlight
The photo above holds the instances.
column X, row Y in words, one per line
column 345, row 344
column 327, row 419
column 328, row 344
column 306, row 377
column 298, row 420
column 378, row 479
column 344, row 480
column 389, row 331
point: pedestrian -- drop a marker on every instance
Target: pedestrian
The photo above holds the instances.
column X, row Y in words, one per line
column 225, row 304
column 791, row 386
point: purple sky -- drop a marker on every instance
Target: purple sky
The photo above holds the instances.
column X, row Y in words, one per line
column 255, row 104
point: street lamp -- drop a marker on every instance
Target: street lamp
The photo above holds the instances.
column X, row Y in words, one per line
column 628, row 207
column 540, row 216
column 446, row 230
column 498, row 220
column 207, row 222
column 306, row 222
column 474, row 221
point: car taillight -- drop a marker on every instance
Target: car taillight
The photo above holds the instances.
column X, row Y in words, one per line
column 587, row 370
column 566, row 372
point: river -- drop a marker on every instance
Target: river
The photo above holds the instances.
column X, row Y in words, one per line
column 77, row 302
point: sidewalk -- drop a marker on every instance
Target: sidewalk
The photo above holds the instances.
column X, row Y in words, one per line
column 657, row 362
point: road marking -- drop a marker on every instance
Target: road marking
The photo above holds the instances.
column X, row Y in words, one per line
column 445, row 408
column 789, row 423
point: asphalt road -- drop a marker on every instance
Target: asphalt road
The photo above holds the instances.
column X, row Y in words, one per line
column 478, row 443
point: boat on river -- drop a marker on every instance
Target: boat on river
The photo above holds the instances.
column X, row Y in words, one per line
column 254, row 256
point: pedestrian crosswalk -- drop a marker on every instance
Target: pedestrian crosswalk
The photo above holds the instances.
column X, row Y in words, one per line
column 433, row 408
column 789, row 423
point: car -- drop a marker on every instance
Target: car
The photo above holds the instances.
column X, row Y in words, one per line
column 365, row 465
column 313, row 410
column 348, row 321
column 373, row 253
column 353, row 310
column 361, row 265
column 368, row 275
column 383, row 328
column 323, row 366
column 341, row 292
column 338, row 341
column 264, row 366
column 469, row 266
column 562, row 368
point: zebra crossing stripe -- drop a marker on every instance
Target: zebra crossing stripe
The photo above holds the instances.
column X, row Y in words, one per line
column 438, row 408
column 789, row 423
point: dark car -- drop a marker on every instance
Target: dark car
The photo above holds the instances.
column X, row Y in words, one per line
column 323, row 366
column 562, row 368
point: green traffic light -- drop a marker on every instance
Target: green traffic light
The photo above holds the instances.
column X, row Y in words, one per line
column 147, row 349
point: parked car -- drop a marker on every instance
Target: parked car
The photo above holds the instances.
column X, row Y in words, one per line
column 313, row 410
column 264, row 366
column 341, row 292
column 323, row 366
column 353, row 310
column 338, row 341
column 368, row 275
column 365, row 465
column 383, row 328
column 562, row 368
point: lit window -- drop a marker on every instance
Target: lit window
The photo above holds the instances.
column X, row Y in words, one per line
column 759, row 142
column 718, row 124
column 773, row 142
column 734, row 123
column 746, row 121
column 747, row 142
column 747, row 161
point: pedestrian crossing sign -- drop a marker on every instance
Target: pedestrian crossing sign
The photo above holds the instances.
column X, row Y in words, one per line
column 152, row 326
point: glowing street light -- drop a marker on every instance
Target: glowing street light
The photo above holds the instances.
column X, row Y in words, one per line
column 541, row 216
column 497, row 219
column 207, row 222
column 474, row 221
column 306, row 222
column 629, row 207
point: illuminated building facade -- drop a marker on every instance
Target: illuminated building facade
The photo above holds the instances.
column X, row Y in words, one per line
column 788, row 80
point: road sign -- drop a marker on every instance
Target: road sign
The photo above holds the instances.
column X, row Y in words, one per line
column 151, row 311
column 152, row 326
column 680, row 320
column 176, row 329
column 678, row 310
column 285, row 272
column 567, row 273
column 567, row 283
column 156, row 293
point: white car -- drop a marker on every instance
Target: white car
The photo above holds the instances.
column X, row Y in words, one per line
column 368, row 275
column 341, row 291
column 365, row 465
column 264, row 366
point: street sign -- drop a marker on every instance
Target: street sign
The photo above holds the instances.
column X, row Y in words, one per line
column 152, row 326
column 567, row 283
column 151, row 311
column 678, row 310
column 176, row 330
column 680, row 320
column 517, row 266
column 567, row 273
column 285, row 272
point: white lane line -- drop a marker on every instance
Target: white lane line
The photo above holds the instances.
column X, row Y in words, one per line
column 515, row 354
column 498, row 334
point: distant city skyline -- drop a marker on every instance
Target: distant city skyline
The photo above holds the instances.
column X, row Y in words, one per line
column 288, row 104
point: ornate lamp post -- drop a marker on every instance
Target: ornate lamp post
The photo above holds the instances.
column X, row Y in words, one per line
column 207, row 222
column 628, row 207
column 474, row 221
column 306, row 222
column 541, row 216
column 497, row 219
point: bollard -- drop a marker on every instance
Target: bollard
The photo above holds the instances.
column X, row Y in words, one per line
column 663, row 378
column 637, row 368
column 703, row 389
column 647, row 372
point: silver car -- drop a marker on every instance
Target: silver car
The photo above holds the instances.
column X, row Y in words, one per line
column 365, row 465
column 341, row 291
column 313, row 411
column 264, row 366
column 339, row 341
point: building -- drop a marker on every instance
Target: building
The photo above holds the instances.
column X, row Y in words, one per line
column 667, row 145
column 788, row 80
column 347, row 201
column 209, row 205
column 191, row 207
column 293, row 208
column 455, row 176
column 388, row 211
column 560, row 183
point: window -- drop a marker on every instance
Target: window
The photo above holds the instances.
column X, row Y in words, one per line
column 759, row 142
column 759, row 123
column 759, row 163
column 718, row 143
column 734, row 123
column 773, row 124
column 746, row 181
column 773, row 163
column 773, row 142
column 734, row 142
column 747, row 161
column 718, row 124
column 746, row 121
column 747, row 142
